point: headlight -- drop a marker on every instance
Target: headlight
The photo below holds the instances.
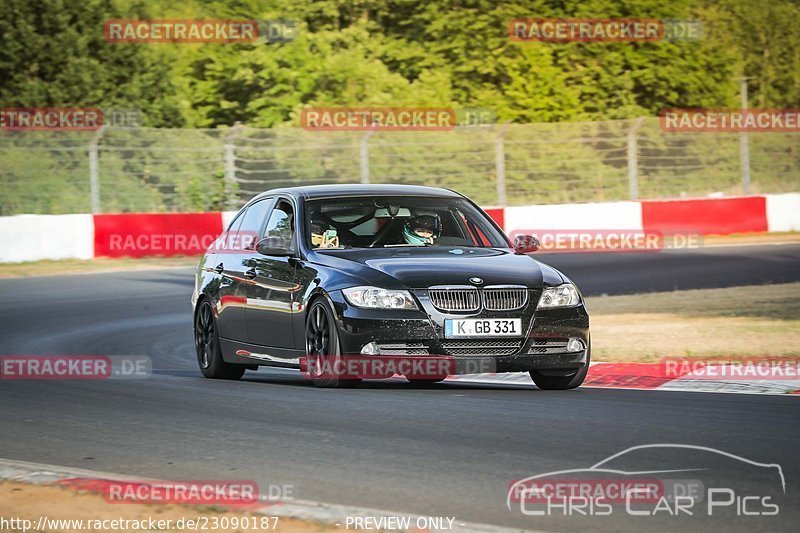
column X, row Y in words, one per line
column 561, row 296
column 377, row 298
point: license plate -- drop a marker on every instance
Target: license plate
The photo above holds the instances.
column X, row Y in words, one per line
column 479, row 327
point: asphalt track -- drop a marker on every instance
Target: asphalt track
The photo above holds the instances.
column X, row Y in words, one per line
column 673, row 270
column 449, row 450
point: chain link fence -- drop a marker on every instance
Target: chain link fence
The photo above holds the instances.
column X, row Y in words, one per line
column 155, row 170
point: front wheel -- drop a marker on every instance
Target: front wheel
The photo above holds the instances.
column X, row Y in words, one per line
column 425, row 382
column 209, row 353
column 323, row 351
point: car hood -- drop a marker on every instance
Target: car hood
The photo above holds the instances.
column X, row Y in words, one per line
column 418, row 268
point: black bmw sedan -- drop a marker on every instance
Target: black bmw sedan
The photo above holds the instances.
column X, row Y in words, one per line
column 349, row 282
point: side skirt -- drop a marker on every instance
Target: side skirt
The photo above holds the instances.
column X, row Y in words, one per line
column 242, row 353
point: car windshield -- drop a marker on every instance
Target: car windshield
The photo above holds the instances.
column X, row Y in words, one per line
column 382, row 222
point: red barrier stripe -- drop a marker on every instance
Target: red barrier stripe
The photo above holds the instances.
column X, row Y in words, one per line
column 498, row 214
column 626, row 375
column 717, row 216
column 161, row 234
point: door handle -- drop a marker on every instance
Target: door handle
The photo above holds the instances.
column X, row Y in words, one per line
column 219, row 268
column 250, row 273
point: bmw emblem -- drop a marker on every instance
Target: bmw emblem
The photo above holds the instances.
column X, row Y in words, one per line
column 475, row 281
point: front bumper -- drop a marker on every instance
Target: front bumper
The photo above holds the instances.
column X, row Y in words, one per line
column 421, row 333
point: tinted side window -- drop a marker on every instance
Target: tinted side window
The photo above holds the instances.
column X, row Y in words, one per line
column 251, row 223
column 227, row 239
column 233, row 227
column 280, row 221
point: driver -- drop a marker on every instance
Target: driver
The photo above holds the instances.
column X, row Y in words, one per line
column 323, row 236
column 422, row 229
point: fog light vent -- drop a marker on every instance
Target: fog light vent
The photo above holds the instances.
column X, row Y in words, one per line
column 371, row 349
column 552, row 346
column 575, row 345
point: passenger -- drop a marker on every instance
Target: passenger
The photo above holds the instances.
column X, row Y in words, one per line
column 323, row 235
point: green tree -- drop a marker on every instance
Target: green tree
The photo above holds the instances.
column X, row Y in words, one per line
column 53, row 53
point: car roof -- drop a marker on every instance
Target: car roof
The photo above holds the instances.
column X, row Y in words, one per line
column 360, row 189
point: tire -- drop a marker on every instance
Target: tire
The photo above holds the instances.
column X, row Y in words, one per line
column 573, row 381
column 423, row 382
column 207, row 346
column 323, row 350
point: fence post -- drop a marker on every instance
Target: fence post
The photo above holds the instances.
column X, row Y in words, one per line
column 229, row 157
column 94, row 170
column 633, row 159
column 363, row 152
column 744, row 141
column 500, row 164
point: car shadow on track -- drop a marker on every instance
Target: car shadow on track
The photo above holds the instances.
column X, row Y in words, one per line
column 297, row 379
column 293, row 378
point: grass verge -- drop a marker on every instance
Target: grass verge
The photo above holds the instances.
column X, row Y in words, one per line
column 779, row 237
column 750, row 321
column 85, row 266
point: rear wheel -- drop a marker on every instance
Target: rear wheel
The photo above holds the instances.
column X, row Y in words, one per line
column 323, row 351
column 209, row 353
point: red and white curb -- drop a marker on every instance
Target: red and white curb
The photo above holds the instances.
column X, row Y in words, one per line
column 648, row 376
column 332, row 515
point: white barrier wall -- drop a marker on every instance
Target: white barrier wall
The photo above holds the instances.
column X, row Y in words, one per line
column 783, row 212
column 35, row 237
column 600, row 216
column 227, row 218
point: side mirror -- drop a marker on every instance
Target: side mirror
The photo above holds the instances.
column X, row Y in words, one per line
column 274, row 246
column 525, row 244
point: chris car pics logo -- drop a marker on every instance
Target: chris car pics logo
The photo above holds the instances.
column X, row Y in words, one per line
column 685, row 481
